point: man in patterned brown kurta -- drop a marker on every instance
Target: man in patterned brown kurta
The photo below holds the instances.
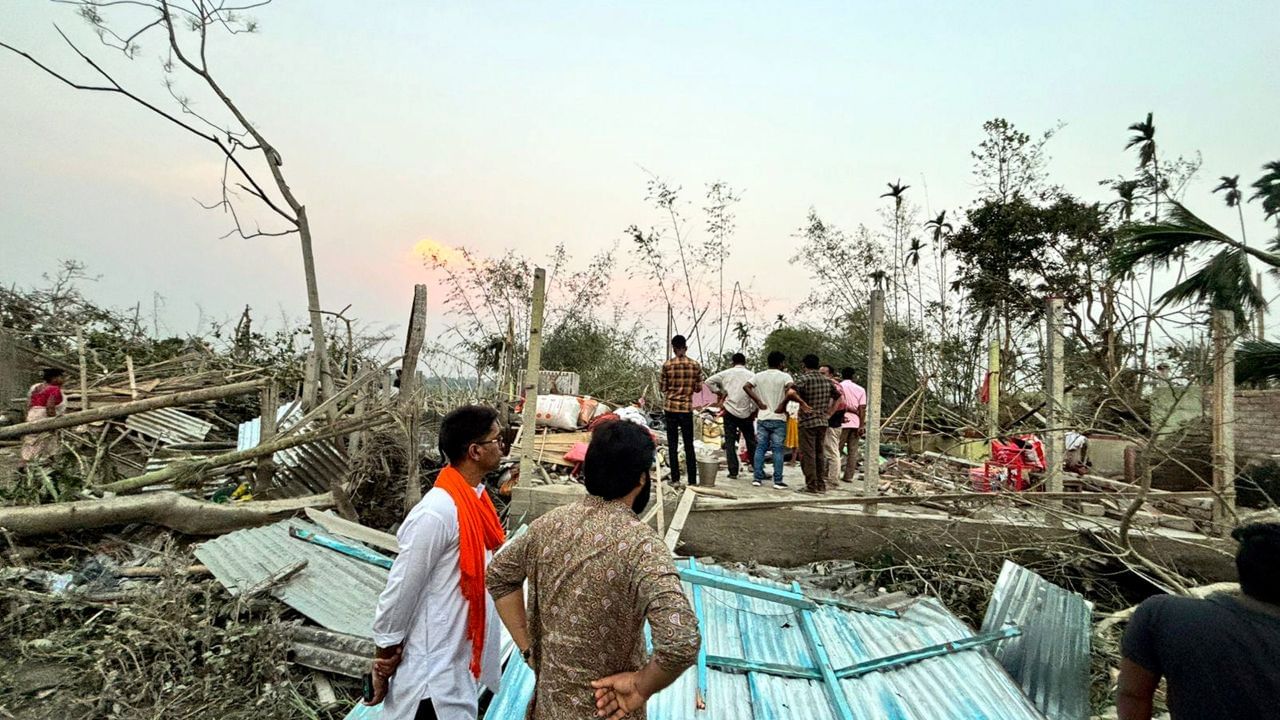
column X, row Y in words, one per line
column 595, row 574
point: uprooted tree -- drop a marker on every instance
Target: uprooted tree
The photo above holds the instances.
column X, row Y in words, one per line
column 186, row 29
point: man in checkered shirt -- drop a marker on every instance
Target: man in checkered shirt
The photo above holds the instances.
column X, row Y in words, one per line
column 818, row 400
column 681, row 378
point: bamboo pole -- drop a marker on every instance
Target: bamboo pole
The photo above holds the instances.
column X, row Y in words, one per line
column 532, row 369
column 108, row 412
column 875, row 397
column 706, row 504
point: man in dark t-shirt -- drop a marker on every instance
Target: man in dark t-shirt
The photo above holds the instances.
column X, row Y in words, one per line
column 1220, row 655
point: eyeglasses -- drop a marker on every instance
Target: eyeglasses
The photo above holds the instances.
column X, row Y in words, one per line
column 490, row 442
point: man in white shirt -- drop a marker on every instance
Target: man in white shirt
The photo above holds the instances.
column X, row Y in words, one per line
column 767, row 389
column 437, row 640
column 739, row 409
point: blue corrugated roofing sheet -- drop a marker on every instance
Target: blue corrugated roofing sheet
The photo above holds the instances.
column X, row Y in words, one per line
column 303, row 469
column 961, row 684
column 1050, row 660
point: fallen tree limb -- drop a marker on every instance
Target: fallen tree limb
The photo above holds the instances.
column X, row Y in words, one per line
column 706, row 505
column 183, row 470
column 169, row 509
column 108, row 412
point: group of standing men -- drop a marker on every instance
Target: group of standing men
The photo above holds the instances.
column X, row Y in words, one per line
column 829, row 413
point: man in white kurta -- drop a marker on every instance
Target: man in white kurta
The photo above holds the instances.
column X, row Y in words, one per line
column 423, row 613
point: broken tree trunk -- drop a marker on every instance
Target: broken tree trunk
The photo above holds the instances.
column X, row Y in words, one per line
column 180, row 470
column 109, row 412
column 268, row 402
column 169, row 509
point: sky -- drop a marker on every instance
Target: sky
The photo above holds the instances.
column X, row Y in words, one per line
column 497, row 125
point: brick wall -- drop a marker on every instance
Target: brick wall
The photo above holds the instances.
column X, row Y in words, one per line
column 1257, row 425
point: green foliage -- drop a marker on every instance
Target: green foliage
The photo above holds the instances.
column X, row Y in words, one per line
column 1013, row 254
column 612, row 361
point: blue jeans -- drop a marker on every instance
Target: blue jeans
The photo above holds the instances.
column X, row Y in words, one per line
column 770, row 434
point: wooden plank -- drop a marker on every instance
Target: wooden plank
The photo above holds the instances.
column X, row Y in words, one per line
column 678, row 520
column 355, row 531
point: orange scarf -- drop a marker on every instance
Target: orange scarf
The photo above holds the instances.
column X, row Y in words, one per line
column 478, row 530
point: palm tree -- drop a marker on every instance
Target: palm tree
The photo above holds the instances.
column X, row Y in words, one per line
column 896, row 191
column 913, row 258
column 941, row 228
column 1127, row 192
column 1231, row 186
column 1224, row 282
column 1268, row 191
column 1144, row 138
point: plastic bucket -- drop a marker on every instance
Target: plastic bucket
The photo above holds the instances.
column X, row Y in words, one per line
column 707, row 470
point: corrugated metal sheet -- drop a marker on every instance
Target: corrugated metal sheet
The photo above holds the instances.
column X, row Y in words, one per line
column 1050, row 660
column 336, row 591
column 963, row 685
column 169, row 425
column 301, row 470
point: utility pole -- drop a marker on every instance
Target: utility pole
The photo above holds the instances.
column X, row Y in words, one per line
column 1224, row 416
column 528, row 431
column 875, row 385
column 993, row 390
column 1054, row 382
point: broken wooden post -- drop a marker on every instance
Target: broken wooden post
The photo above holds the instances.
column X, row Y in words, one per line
column 410, row 397
column 107, row 412
column 310, row 382
column 533, row 368
column 84, row 370
column 875, row 385
column 268, row 407
column 993, row 391
column 1054, row 381
column 1224, row 416
column 133, row 379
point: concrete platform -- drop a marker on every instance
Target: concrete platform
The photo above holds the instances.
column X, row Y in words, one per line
column 791, row 536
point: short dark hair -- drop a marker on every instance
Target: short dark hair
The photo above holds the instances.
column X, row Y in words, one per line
column 811, row 361
column 679, row 343
column 1258, row 560
column 830, row 368
column 846, row 373
column 739, row 359
column 50, row 374
column 776, row 358
column 462, row 427
column 619, row 452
